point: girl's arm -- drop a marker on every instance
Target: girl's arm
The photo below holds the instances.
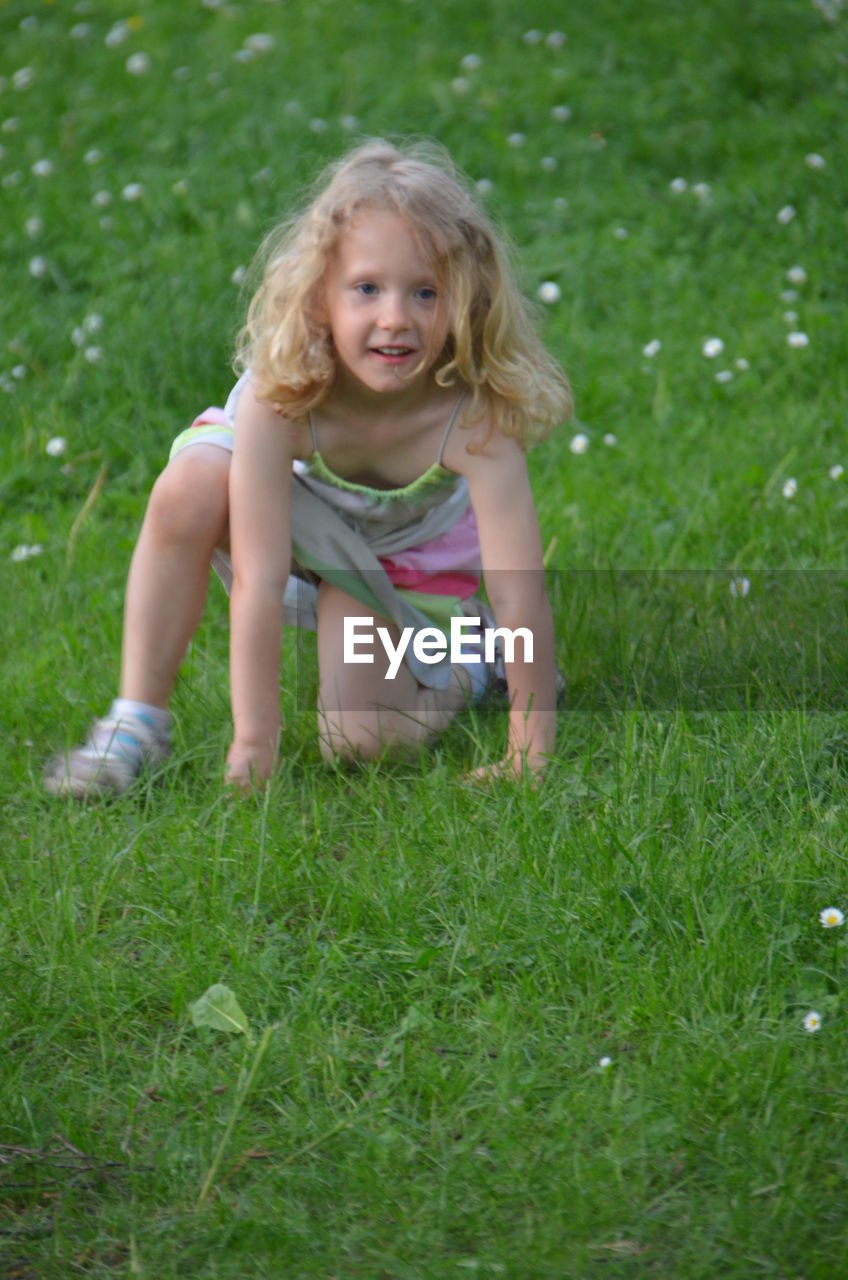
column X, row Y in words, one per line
column 511, row 549
column 260, row 546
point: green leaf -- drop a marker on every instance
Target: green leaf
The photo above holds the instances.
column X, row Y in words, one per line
column 219, row 1008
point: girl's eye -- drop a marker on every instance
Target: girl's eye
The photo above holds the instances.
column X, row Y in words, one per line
column 367, row 288
column 427, row 293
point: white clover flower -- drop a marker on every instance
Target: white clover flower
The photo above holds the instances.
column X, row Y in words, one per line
column 101, row 199
column 485, row 186
column 38, row 267
column 11, row 124
column 30, row 23
column 23, row 552
column 19, row 371
column 786, row 214
column 555, row 39
column 836, row 471
column 243, row 55
column 56, row 446
column 790, row 487
column 7, row 384
column 712, row 347
column 78, row 336
column 238, row 275
column 117, row 35
column 812, row 1021
column 317, row 125
column 621, row 233
column 180, row 187
column 579, row 443
column 739, row 587
column 789, row 295
column 742, row 364
column 93, row 354
column 560, row 203
column 460, row 85
column 724, row 375
column 790, row 317
column 93, row 156
column 652, row 348
column 831, row 918
column 604, row 1063
column 471, row 62
column 12, row 179
column 796, row 275
column 549, row 292
column 701, row 190
column 80, row 31
column 34, row 227
column 133, row 191
column 610, row 440
column 349, row 123
column 678, row 185
column 561, row 113
column 138, row 64
column 516, row 139
column 42, row 168
column 533, row 36
column 23, row 78
column 814, row 161
column 549, row 163
column 260, row 42
column 93, row 323
column 797, row 340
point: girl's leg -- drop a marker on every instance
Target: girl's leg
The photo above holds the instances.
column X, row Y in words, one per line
column 186, row 519
column 360, row 712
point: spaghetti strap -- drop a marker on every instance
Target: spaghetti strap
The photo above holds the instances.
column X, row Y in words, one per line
column 451, row 421
column 314, row 433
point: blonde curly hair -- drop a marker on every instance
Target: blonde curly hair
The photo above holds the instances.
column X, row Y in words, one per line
column 492, row 348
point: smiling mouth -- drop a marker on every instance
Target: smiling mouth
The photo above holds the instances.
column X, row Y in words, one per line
column 393, row 353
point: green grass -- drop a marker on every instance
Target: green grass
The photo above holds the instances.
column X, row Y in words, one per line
column 443, row 969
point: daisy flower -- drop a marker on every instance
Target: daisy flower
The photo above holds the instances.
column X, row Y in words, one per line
column 712, row 347
column 549, row 292
column 579, row 443
column 790, row 487
column 836, row 471
column 831, row 918
column 653, row 348
column 812, row 1021
column 798, row 339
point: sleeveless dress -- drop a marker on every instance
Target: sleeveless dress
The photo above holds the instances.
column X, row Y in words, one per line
column 408, row 554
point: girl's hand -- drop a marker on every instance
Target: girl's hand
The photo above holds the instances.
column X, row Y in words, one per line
column 509, row 769
column 249, row 765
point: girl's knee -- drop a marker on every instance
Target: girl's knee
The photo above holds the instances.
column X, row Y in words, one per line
column 348, row 738
column 190, row 498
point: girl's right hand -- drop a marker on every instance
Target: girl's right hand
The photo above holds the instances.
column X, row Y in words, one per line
column 249, row 765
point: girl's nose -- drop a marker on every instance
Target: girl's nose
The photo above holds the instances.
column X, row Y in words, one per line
column 393, row 312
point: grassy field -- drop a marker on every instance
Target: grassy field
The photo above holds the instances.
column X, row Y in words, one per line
column 524, row 1034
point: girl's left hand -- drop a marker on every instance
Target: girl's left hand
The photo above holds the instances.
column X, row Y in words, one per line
column 509, row 769
column 249, row 766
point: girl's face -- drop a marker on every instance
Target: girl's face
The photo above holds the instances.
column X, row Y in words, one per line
column 382, row 305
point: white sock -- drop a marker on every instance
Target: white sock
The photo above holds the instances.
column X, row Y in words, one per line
column 158, row 718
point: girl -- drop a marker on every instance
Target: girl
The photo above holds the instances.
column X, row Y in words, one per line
column 369, row 462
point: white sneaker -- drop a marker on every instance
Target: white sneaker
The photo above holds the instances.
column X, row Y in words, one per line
column 109, row 761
